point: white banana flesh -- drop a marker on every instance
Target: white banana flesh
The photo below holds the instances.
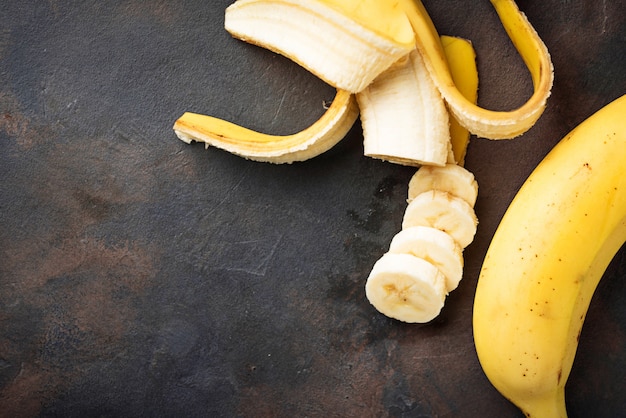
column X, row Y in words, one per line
column 406, row 288
column 346, row 43
column 437, row 226
column 441, row 210
column 434, row 246
column 404, row 117
column 451, row 178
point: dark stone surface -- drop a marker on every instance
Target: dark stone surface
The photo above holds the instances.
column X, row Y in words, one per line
column 141, row 276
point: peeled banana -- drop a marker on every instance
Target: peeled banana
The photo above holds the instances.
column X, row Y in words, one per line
column 429, row 243
column 546, row 258
column 404, row 117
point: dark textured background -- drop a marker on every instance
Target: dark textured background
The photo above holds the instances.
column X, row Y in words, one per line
column 140, row 276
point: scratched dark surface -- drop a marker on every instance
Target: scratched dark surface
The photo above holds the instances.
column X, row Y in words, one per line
column 140, row 276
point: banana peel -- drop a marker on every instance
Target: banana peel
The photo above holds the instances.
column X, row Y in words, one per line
column 461, row 58
column 386, row 33
column 308, row 143
column 331, row 127
column 479, row 121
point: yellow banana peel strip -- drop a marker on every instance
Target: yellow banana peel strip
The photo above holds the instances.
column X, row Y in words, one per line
column 483, row 122
column 462, row 62
column 323, row 134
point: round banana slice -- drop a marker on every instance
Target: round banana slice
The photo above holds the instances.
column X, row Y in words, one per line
column 450, row 178
column 346, row 43
column 406, row 288
column 432, row 245
column 443, row 211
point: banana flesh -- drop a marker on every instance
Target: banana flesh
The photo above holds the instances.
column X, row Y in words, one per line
column 406, row 288
column 437, row 226
column 428, row 243
column 404, row 117
column 441, row 210
column 452, row 179
column 346, row 43
column 546, row 258
column 483, row 122
column 434, row 246
column 308, row 143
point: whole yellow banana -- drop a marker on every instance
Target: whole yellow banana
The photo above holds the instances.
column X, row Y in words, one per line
column 546, row 258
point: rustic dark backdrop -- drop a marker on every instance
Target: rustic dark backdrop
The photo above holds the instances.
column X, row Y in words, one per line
column 140, row 276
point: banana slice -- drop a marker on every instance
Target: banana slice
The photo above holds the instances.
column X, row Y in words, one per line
column 443, row 211
column 450, row 178
column 308, row 143
column 404, row 117
column 483, row 122
column 407, row 288
column 346, row 43
column 432, row 245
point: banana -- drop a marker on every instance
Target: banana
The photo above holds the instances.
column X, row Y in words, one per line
column 432, row 245
column 441, row 210
column 308, row 143
column 479, row 121
column 404, row 117
column 436, row 228
column 351, row 43
column 450, row 178
column 546, row 258
column 406, row 287
column 346, row 43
